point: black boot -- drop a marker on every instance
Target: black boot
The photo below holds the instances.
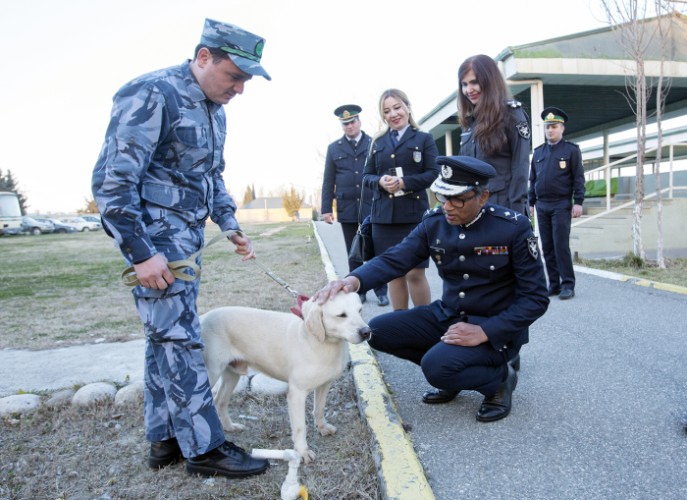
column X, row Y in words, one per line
column 498, row 406
column 164, row 453
column 226, row 460
column 438, row 396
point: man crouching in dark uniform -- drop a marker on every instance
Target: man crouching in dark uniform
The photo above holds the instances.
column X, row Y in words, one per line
column 493, row 289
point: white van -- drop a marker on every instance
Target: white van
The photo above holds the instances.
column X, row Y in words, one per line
column 10, row 213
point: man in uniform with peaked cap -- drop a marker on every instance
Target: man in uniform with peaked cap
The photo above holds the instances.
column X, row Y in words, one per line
column 342, row 181
column 557, row 190
column 493, row 290
column 158, row 178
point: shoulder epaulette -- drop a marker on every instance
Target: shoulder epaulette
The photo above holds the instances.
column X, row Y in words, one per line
column 431, row 212
column 514, row 104
column 512, row 216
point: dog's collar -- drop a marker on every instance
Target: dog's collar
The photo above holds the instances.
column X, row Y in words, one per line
column 297, row 309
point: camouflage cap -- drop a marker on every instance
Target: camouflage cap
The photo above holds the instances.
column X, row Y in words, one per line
column 244, row 48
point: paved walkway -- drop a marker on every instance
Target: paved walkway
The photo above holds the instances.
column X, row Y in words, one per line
column 597, row 414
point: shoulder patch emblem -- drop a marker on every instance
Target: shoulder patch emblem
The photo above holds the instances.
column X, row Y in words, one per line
column 533, row 247
column 523, row 130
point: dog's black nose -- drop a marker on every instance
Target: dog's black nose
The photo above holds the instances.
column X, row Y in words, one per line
column 365, row 333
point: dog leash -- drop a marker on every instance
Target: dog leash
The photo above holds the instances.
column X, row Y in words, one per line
column 300, row 298
column 277, row 278
column 178, row 267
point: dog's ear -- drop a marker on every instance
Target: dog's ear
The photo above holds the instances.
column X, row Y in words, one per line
column 314, row 321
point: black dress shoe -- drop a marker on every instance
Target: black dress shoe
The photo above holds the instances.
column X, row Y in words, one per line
column 226, row 460
column 438, row 396
column 383, row 300
column 498, row 406
column 554, row 291
column 164, row 453
column 515, row 362
column 363, row 297
column 566, row 294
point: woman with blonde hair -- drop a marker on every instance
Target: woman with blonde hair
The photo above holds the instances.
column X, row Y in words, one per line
column 400, row 167
column 495, row 130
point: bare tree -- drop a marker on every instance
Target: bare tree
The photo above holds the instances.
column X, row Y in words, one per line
column 663, row 31
column 667, row 13
column 627, row 17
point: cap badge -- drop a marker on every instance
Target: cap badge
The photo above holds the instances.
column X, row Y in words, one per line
column 346, row 114
column 550, row 116
column 446, row 172
column 259, row 47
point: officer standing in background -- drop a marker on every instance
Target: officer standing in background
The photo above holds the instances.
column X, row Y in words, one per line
column 557, row 190
column 493, row 290
column 343, row 174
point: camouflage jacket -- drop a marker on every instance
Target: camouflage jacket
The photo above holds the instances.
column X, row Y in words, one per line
column 160, row 169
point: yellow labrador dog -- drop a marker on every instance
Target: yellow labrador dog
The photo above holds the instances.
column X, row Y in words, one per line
column 307, row 353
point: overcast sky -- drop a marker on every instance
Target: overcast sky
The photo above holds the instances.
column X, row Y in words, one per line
column 64, row 60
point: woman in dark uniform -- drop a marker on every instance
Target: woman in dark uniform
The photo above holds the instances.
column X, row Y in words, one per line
column 495, row 130
column 399, row 169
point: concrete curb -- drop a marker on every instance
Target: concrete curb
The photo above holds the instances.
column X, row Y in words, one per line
column 400, row 472
column 667, row 287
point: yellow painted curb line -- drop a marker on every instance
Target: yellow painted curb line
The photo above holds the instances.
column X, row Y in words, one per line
column 400, row 472
column 667, row 287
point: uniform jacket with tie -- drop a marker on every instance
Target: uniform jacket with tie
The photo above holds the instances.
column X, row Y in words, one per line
column 491, row 271
column 343, row 179
column 557, row 173
column 416, row 153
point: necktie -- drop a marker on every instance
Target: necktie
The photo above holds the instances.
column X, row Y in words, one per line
column 394, row 137
column 354, row 143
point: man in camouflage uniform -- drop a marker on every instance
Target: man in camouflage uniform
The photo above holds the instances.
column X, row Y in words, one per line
column 157, row 179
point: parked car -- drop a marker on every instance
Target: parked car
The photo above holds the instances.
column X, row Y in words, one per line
column 91, row 218
column 81, row 224
column 35, row 226
column 61, row 227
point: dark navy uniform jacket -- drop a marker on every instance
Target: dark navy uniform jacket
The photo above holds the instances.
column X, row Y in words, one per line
column 512, row 161
column 343, row 179
column 557, row 173
column 416, row 153
column 492, row 272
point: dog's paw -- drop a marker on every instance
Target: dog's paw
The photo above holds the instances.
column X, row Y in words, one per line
column 307, row 456
column 326, row 429
column 230, row 426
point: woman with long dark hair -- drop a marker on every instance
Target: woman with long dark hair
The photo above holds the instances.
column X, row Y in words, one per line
column 495, row 130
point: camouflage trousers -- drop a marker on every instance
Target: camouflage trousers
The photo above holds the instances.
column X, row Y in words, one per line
column 177, row 395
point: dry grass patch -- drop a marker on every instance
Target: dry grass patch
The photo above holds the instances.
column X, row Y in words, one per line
column 61, row 290
column 674, row 273
column 58, row 290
